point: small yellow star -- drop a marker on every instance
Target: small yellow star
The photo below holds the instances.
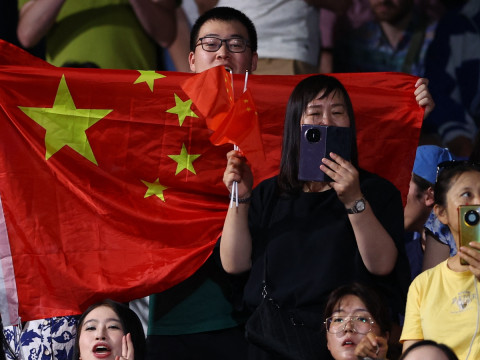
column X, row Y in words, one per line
column 148, row 77
column 65, row 125
column 182, row 109
column 184, row 160
column 248, row 108
column 154, row 188
column 228, row 86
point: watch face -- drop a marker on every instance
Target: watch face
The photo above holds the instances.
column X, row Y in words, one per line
column 360, row 205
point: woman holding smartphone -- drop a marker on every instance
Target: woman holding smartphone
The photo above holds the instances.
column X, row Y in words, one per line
column 443, row 302
column 305, row 237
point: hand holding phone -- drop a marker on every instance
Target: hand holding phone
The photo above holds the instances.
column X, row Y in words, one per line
column 469, row 225
column 316, row 143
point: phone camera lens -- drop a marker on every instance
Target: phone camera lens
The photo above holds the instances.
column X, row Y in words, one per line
column 472, row 217
column 313, row 135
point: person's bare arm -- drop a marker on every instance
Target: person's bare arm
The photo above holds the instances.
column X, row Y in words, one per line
column 157, row 18
column 337, row 6
column 435, row 252
column 35, row 19
column 376, row 246
column 181, row 46
column 236, row 242
column 205, row 5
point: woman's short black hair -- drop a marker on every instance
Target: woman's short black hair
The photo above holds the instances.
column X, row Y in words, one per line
column 224, row 13
column 305, row 91
column 130, row 323
column 369, row 296
column 442, row 347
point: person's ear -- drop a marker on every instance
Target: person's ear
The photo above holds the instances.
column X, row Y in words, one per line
column 429, row 198
column 441, row 213
column 254, row 62
column 191, row 61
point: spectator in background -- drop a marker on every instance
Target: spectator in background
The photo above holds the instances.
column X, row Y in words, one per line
column 442, row 303
column 288, row 34
column 440, row 243
column 395, row 40
column 428, row 350
column 453, row 66
column 176, row 57
column 333, row 27
column 196, row 319
column 109, row 330
column 356, row 314
column 46, row 339
column 419, row 206
column 112, row 34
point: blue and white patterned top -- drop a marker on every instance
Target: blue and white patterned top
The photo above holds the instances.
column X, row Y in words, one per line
column 46, row 339
column 441, row 232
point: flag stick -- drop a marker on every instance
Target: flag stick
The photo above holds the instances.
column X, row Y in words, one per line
column 235, row 147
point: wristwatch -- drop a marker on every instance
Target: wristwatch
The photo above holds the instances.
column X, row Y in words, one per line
column 358, row 207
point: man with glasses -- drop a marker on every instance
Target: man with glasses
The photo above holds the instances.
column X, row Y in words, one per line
column 196, row 319
column 223, row 36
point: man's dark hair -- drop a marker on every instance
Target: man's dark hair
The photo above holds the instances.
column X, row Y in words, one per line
column 421, row 183
column 224, row 13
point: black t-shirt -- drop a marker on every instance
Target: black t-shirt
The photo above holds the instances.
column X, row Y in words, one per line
column 311, row 247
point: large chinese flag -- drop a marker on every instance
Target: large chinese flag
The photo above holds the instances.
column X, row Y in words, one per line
column 110, row 187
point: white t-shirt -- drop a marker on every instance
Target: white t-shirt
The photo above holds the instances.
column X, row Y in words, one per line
column 286, row 29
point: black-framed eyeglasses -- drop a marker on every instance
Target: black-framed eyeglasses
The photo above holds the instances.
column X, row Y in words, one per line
column 456, row 163
column 234, row 45
column 337, row 324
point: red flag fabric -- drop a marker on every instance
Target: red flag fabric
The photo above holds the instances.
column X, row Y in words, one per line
column 212, row 93
column 240, row 127
column 110, row 187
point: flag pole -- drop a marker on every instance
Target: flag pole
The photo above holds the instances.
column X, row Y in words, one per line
column 246, row 81
column 235, row 147
column 234, row 194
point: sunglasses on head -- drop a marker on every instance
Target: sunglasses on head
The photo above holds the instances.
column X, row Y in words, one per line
column 456, row 163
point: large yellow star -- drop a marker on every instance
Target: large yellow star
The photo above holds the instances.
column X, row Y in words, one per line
column 184, row 160
column 154, row 188
column 182, row 109
column 148, row 77
column 65, row 125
